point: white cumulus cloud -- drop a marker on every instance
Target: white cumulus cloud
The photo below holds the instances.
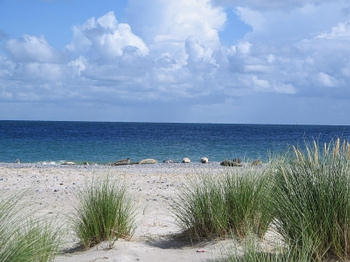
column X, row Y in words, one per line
column 107, row 37
column 340, row 32
column 31, row 48
column 169, row 25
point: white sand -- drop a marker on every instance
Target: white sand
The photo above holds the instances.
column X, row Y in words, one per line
column 51, row 193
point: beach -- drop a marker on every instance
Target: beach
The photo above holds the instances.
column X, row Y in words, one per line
column 243, row 211
column 50, row 192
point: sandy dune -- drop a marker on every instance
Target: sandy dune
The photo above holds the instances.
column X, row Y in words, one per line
column 51, row 193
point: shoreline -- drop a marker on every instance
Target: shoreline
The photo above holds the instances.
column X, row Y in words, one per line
column 192, row 165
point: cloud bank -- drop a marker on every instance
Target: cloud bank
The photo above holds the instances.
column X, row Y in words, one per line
column 170, row 63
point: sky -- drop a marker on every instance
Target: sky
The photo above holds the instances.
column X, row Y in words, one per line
column 212, row 61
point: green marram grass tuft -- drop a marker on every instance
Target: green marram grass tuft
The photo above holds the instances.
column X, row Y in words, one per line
column 312, row 199
column 23, row 239
column 105, row 213
column 234, row 203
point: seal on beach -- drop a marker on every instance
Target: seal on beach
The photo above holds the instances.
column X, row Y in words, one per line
column 122, row 162
column 148, row 161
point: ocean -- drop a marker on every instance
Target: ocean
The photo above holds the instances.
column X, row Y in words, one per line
column 103, row 142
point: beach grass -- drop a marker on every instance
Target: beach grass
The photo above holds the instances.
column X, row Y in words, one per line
column 247, row 203
column 105, row 213
column 312, row 199
column 25, row 239
column 228, row 205
column 252, row 252
column 200, row 209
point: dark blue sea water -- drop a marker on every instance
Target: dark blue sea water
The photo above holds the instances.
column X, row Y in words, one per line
column 34, row 141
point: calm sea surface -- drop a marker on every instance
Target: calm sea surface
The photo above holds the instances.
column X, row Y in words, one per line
column 34, row 141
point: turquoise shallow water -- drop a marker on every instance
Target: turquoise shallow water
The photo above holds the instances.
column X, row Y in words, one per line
column 34, row 141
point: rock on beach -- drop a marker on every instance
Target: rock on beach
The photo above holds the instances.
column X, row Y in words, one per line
column 168, row 161
column 237, row 160
column 256, row 163
column 230, row 163
column 186, row 160
column 204, row 160
column 68, row 163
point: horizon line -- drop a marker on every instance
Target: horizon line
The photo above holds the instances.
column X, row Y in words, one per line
column 160, row 122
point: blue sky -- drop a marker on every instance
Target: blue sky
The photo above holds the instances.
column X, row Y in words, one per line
column 231, row 61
